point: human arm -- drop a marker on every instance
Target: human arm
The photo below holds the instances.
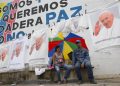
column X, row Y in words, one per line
column 97, row 28
column 86, row 54
column 53, row 59
column 73, row 58
column 86, row 57
column 31, row 50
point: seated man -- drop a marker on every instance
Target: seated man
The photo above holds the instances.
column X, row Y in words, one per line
column 80, row 58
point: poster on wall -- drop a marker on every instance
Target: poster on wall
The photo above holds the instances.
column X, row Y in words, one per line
column 4, row 57
column 70, row 25
column 104, row 27
column 17, row 55
column 38, row 51
column 20, row 18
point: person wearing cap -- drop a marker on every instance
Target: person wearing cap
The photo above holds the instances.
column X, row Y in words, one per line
column 81, row 59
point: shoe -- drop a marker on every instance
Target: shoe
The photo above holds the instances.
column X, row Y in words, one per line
column 80, row 82
column 50, row 67
column 93, row 82
column 59, row 82
column 64, row 81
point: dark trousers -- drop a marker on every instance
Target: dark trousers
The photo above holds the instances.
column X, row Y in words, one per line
column 88, row 66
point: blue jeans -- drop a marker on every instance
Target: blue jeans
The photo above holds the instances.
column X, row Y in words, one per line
column 67, row 72
column 88, row 66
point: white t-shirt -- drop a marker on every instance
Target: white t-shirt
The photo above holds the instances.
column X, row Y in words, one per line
column 108, row 37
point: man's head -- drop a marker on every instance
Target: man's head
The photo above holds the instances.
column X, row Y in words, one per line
column 78, row 43
column 106, row 18
column 18, row 49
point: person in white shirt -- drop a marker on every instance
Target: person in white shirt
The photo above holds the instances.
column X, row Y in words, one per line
column 38, row 49
column 16, row 51
column 17, row 58
column 107, row 29
column 107, row 23
column 4, row 57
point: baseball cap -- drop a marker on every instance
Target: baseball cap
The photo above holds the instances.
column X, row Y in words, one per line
column 78, row 41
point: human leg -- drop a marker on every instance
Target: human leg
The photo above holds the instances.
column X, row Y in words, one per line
column 90, row 72
column 68, row 70
column 57, row 69
column 78, row 72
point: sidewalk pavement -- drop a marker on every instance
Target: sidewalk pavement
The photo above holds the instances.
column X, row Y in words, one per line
column 103, row 82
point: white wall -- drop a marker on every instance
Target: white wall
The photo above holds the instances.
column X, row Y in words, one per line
column 95, row 4
column 107, row 61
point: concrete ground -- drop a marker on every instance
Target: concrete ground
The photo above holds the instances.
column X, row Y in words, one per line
column 103, row 82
